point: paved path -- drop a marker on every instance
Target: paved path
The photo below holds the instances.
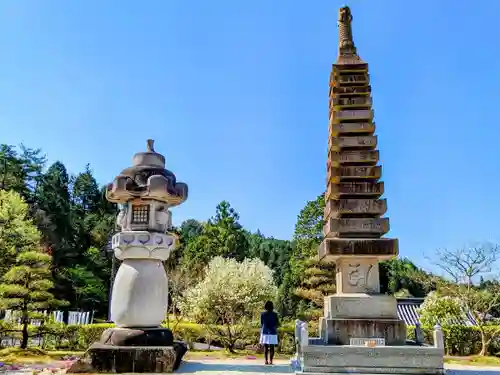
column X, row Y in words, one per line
column 255, row 367
column 233, row 367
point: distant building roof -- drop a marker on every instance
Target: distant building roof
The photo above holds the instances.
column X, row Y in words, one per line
column 407, row 312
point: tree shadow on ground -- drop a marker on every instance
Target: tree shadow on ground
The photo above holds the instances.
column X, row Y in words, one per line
column 190, row 367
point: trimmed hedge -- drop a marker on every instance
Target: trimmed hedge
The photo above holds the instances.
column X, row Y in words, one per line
column 80, row 337
column 459, row 340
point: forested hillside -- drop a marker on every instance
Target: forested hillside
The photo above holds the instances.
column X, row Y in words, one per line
column 75, row 222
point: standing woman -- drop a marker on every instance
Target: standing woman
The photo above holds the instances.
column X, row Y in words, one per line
column 269, row 331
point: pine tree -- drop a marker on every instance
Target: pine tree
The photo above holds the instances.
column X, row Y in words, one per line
column 17, row 231
column 20, row 171
column 26, row 286
column 317, row 283
column 59, row 235
column 311, row 279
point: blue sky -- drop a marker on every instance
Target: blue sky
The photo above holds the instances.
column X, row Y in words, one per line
column 235, row 94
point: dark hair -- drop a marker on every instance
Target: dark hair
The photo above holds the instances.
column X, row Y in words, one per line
column 269, row 306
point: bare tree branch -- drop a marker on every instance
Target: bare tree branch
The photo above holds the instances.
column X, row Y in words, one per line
column 466, row 263
column 464, row 266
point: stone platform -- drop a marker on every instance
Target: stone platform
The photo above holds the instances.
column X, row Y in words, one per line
column 156, row 336
column 341, row 331
column 355, row 315
column 126, row 359
column 137, row 350
column 322, row 359
column 361, row 306
column 107, row 358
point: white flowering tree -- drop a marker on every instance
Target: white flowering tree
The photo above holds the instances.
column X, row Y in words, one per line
column 228, row 297
column 440, row 309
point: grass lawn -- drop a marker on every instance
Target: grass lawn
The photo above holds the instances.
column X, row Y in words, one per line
column 34, row 355
column 474, row 360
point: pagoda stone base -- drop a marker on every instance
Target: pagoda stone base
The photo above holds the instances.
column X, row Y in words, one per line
column 341, row 331
column 361, row 305
column 380, row 360
column 361, row 315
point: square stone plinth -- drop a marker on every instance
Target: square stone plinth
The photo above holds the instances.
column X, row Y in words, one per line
column 332, row 249
column 340, row 331
column 357, row 275
column 361, row 306
column 421, row 360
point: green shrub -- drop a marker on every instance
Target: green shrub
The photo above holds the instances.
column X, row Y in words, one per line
column 59, row 336
column 191, row 333
column 437, row 308
column 459, row 340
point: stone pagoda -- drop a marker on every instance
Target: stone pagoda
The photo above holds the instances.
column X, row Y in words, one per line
column 360, row 331
column 353, row 208
column 146, row 192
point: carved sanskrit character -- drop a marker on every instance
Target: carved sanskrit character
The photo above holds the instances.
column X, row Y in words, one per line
column 356, row 276
column 364, row 206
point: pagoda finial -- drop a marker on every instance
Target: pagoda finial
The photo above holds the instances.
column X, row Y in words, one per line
column 151, row 145
column 346, row 41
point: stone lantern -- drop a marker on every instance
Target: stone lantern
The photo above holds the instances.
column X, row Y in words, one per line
column 145, row 193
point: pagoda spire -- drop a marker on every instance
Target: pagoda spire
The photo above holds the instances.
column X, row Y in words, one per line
column 347, row 52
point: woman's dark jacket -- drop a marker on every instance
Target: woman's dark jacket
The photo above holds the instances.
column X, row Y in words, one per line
column 269, row 323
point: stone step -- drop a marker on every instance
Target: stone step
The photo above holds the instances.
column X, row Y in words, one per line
column 342, row 359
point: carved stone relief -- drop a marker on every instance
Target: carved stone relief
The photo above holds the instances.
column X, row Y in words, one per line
column 358, row 276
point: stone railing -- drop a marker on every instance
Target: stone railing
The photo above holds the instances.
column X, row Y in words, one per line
column 301, row 335
column 438, row 337
column 301, row 340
